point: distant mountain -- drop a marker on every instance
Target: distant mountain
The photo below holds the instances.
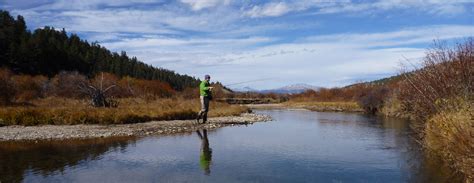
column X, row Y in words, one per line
column 245, row 89
column 290, row 89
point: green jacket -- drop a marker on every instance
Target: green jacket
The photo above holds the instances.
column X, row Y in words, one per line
column 204, row 88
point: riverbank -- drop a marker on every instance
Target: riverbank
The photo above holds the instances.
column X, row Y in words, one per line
column 60, row 132
column 244, row 149
column 64, row 111
column 325, row 106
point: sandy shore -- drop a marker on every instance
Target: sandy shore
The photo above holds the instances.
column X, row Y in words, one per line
column 52, row 132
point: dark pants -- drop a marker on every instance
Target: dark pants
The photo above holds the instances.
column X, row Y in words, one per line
column 204, row 109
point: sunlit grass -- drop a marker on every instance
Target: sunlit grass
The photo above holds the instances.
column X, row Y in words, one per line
column 326, row 106
column 449, row 134
column 58, row 111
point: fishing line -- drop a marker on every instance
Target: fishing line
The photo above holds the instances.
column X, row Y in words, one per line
column 251, row 81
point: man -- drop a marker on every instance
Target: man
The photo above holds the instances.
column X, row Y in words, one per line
column 205, row 96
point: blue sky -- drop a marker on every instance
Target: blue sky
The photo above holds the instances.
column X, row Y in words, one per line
column 319, row 42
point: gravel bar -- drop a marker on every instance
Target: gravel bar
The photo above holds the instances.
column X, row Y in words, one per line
column 60, row 132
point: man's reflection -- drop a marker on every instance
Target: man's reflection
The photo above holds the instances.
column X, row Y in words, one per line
column 206, row 152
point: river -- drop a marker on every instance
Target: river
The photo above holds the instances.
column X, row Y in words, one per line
column 298, row 146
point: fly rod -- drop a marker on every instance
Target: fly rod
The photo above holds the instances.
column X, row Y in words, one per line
column 250, row 81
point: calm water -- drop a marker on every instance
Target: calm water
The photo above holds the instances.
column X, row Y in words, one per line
column 299, row 146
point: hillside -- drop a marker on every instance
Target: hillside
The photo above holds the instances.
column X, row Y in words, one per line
column 48, row 51
column 379, row 82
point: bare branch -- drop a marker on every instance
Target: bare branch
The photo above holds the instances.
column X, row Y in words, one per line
column 110, row 87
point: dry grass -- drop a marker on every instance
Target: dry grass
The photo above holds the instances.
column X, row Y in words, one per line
column 448, row 134
column 58, row 111
column 326, row 106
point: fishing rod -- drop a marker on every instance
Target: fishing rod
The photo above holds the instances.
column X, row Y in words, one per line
column 250, row 81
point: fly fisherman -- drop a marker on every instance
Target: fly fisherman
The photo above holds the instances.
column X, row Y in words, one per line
column 205, row 96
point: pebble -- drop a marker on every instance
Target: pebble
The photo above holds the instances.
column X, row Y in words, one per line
column 57, row 132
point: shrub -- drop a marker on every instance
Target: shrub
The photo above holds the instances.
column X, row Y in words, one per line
column 105, row 80
column 29, row 87
column 66, row 84
column 447, row 73
column 148, row 89
column 439, row 97
column 373, row 100
column 7, row 90
column 190, row 93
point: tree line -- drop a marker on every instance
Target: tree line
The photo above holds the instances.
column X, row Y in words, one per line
column 48, row 51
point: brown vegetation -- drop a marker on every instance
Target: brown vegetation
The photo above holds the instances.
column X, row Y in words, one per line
column 59, row 111
column 439, row 97
column 265, row 97
column 446, row 75
column 66, row 84
column 330, row 94
column 355, row 98
column 326, row 106
column 66, row 99
column 20, row 89
column 6, row 86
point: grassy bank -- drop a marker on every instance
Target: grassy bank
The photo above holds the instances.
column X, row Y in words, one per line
column 59, row 111
column 326, row 106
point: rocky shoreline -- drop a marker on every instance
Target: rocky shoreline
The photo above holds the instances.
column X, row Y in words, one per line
column 61, row 132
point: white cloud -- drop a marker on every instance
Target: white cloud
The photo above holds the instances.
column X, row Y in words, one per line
column 268, row 10
column 435, row 7
column 197, row 5
column 157, row 21
column 414, row 35
column 330, row 60
column 47, row 5
column 448, row 9
column 183, row 44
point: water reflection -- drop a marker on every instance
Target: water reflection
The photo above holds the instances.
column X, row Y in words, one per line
column 205, row 157
column 299, row 146
column 47, row 158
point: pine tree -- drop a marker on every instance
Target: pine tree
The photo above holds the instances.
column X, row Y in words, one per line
column 48, row 51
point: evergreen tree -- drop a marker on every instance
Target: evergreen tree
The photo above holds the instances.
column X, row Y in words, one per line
column 48, row 51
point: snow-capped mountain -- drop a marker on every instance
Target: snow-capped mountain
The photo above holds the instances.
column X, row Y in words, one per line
column 293, row 89
column 290, row 89
column 245, row 89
